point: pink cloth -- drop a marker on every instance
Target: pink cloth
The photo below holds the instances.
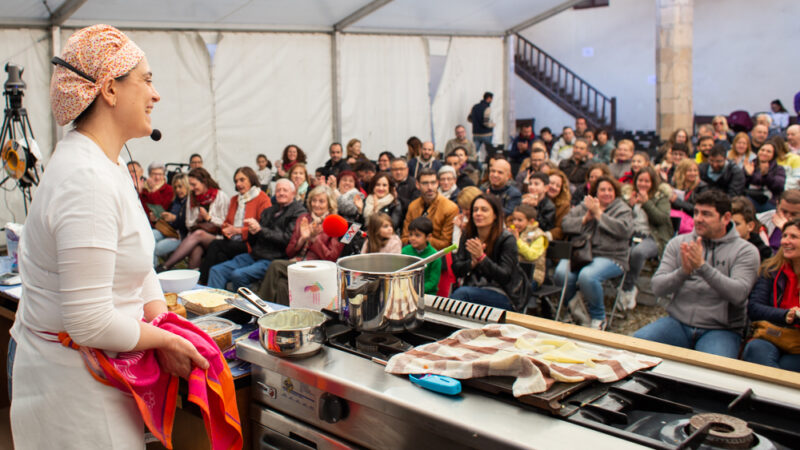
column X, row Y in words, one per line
column 139, row 374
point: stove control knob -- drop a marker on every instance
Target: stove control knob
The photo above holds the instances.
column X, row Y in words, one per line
column 332, row 409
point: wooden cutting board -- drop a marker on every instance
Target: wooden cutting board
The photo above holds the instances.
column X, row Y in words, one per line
column 194, row 300
column 630, row 343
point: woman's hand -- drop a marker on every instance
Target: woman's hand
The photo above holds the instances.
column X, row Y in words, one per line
column 168, row 216
column 252, row 225
column 673, row 197
column 475, row 248
column 359, row 202
column 305, row 229
column 152, row 216
column 459, row 221
column 763, row 166
column 593, row 206
column 643, row 197
column 229, row 230
column 202, row 213
column 332, row 182
column 792, row 314
column 749, row 167
column 634, row 199
column 179, row 356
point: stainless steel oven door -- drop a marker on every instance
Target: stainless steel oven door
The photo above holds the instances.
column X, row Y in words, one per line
column 273, row 430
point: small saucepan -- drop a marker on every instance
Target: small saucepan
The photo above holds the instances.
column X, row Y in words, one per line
column 289, row 333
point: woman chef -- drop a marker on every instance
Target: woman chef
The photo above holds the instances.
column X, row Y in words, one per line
column 86, row 257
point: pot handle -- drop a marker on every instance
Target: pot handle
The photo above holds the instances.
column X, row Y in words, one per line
column 254, row 299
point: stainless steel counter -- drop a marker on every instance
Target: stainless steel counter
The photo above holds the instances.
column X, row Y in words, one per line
column 471, row 419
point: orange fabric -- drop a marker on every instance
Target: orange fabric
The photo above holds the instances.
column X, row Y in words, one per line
column 252, row 210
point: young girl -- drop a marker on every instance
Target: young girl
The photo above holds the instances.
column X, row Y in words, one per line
column 264, row 172
column 381, row 237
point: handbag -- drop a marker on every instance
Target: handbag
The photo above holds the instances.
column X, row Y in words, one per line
column 208, row 227
column 581, row 254
column 787, row 339
column 166, row 230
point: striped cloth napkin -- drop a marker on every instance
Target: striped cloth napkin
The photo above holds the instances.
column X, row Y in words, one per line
column 536, row 360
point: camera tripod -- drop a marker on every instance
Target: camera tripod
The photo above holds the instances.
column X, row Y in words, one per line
column 18, row 160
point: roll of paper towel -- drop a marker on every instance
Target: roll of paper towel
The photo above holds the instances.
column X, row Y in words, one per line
column 314, row 285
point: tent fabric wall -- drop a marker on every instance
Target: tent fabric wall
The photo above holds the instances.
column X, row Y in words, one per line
column 474, row 66
column 384, row 86
column 181, row 74
column 30, row 49
column 271, row 90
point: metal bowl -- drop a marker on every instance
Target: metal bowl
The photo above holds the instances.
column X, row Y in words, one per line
column 292, row 333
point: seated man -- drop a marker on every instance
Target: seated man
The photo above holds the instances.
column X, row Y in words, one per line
column 195, row 161
column 425, row 160
column 708, row 275
column 533, row 164
column 461, row 141
column 463, row 170
column 562, row 149
column 758, row 137
column 521, row 145
column 501, row 186
column 432, row 204
column 704, row 145
column 337, row 163
column 405, row 185
column 268, row 239
column 719, row 173
column 577, row 165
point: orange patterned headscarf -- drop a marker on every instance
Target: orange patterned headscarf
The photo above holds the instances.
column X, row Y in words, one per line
column 92, row 56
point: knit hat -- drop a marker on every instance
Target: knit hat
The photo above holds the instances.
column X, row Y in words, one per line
column 91, row 56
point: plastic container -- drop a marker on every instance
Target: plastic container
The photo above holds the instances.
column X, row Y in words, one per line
column 219, row 329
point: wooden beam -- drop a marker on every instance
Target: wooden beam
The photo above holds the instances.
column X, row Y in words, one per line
column 621, row 341
column 360, row 13
column 65, row 11
column 543, row 16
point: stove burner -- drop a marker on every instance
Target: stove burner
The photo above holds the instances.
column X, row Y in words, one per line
column 723, row 431
column 372, row 342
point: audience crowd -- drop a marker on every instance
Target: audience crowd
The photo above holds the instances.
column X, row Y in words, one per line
column 717, row 211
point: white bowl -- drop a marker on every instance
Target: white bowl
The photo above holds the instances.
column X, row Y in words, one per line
column 178, row 280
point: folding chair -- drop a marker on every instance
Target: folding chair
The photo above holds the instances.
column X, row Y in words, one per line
column 556, row 251
column 610, row 316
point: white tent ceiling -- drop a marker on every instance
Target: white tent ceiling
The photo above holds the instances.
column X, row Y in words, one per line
column 448, row 17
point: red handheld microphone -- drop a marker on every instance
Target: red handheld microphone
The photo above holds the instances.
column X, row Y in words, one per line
column 335, row 225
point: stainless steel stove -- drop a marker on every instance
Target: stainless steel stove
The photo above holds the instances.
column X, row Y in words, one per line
column 342, row 398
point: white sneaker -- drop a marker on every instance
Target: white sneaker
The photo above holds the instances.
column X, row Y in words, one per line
column 597, row 324
column 577, row 307
column 628, row 298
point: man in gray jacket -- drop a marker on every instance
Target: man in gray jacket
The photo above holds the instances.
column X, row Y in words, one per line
column 708, row 274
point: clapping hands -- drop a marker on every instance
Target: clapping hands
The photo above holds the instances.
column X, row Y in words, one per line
column 692, row 256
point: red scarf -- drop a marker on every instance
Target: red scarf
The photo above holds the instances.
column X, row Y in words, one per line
column 288, row 166
column 206, row 198
column 790, row 297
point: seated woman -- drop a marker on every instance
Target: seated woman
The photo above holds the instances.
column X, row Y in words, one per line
column 558, row 192
column 354, row 154
column 774, row 298
column 156, row 194
column 788, row 160
column 621, row 157
column 741, row 151
column 487, row 258
column 298, row 175
column 608, row 221
column 175, row 217
column 292, row 155
column 652, row 227
column 721, row 130
column 765, row 179
column 596, row 171
column 308, row 242
column 350, row 200
column 382, row 198
column 385, row 162
column 204, row 217
column 687, row 184
column 249, row 203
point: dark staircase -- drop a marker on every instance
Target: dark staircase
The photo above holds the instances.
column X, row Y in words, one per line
column 563, row 86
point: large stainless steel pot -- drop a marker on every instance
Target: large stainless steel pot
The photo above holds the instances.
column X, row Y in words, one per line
column 374, row 297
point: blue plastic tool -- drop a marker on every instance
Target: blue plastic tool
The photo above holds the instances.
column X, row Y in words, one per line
column 437, row 383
